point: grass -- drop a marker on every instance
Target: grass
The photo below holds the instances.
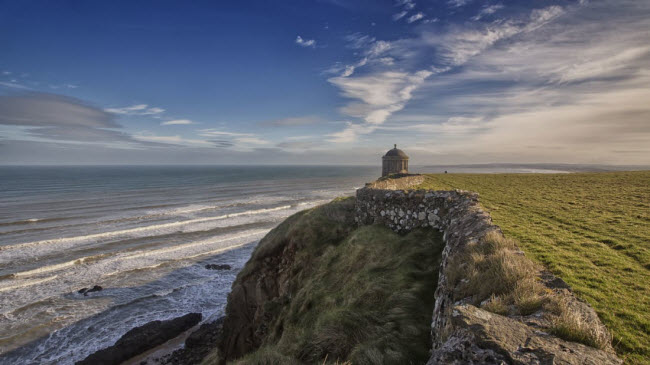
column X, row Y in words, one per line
column 494, row 274
column 590, row 229
column 493, row 268
column 571, row 327
column 364, row 298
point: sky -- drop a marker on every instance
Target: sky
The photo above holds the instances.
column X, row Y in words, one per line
column 324, row 81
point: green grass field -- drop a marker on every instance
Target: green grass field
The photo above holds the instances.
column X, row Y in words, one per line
column 591, row 229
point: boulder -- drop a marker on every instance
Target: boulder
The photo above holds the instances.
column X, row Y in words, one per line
column 481, row 337
column 218, row 267
column 141, row 339
column 85, row 291
column 197, row 345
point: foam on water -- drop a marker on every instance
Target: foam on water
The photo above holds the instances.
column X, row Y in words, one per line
column 140, row 229
column 12, row 254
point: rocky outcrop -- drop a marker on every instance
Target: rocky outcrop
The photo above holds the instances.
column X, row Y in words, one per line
column 481, row 337
column 197, row 345
column 141, row 339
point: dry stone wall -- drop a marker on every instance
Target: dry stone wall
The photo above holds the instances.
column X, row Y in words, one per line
column 461, row 335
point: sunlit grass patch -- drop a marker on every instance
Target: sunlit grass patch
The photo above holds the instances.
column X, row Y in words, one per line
column 495, row 270
column 571, row 327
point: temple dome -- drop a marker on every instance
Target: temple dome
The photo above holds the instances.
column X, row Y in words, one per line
column 396, row 152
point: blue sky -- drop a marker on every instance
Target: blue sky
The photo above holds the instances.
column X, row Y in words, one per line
column 324, row 82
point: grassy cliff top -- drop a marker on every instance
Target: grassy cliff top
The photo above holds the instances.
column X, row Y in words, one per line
column 591, row 229
column 344, row 294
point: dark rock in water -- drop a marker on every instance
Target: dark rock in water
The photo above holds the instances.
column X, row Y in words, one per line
column 198, row 345
column 141, row 339
column 217, row 267
column 85, row 291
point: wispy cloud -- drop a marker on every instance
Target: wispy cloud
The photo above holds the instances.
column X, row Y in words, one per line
column 293, row 121
column 173, row 140
column 372, row 51
column 297, row 145
column 382, row 92
column 61, row 118
column 241, row 141
column 177, row 122
column 487, row 10
column 458, row 3
column 138, row 109
column 379, row 96
column 400, row 15
column 14, row 85
column 415, row 18
column 212, row 132
column 305, row 42
column 560, row 89
column 407, row 4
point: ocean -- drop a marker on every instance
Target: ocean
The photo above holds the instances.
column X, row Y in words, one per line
column 145, row 235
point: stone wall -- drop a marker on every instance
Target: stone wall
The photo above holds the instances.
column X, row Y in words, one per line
column 461, row 333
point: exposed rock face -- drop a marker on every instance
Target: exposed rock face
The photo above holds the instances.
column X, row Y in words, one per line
column 245, row 324
column 459, row 215
column 481, row 337
column 141, row 339
column 197, row 345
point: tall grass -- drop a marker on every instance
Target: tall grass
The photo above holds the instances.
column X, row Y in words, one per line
column 570, row 326
column 363, row 296
column 494, row 272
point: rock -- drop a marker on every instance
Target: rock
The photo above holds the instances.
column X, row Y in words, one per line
column 85, row 291
column 218, row 267
column 481, row 337
column 95, row 288
column 197, row 345
column 141, row 339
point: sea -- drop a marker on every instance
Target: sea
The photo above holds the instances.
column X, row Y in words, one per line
column 145, row 235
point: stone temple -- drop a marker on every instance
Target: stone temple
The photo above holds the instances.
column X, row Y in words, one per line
column 395, row 161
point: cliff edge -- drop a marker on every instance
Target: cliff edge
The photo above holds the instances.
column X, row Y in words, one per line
column 403, row 276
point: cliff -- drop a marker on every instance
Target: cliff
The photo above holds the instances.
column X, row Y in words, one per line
column 319, row 287
column 372, row 280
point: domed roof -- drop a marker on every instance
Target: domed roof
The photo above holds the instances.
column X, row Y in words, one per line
column 396, row 153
